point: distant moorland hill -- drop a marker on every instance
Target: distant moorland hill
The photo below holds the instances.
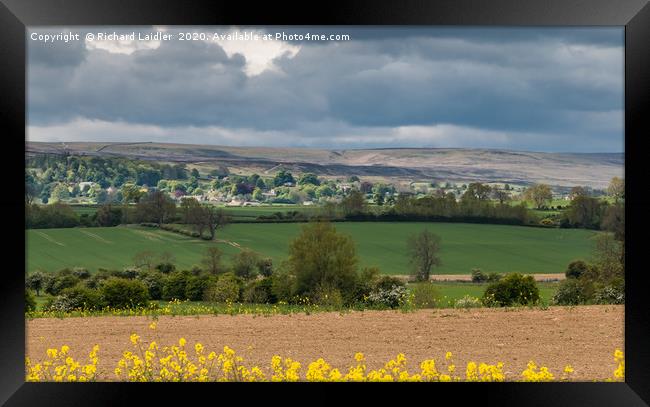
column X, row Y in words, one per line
column 402, row 164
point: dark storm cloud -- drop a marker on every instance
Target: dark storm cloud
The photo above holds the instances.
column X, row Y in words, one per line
column 562, row 88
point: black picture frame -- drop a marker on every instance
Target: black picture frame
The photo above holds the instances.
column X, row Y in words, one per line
column 15, row 15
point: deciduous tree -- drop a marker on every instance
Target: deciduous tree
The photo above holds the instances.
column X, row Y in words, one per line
column 424, row 249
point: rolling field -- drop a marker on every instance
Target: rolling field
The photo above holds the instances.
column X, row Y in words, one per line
column 497, row 248
column 111, row 248
column 252, row 212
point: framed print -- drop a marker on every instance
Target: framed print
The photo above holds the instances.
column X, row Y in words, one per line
column 430, row 193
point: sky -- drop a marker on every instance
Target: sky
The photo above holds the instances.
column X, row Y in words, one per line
column 531, row 89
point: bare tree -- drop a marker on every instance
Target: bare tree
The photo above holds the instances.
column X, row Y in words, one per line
column 616, row 188
column 167, row 257
column 144, row 259
column 539, row 194
column 423, row 249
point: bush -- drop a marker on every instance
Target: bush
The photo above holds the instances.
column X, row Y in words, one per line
column 576, row 268
column 81, row 297
column 613, row 293
column 245, row 264
column 260, row 292
column 60, row 303
column 478, row 276
column 96, row 280
column 265, row 267
column 514, row 289
column 62, row 280
column 571, row 292
column 282, row 286
column 128, row 272
column 388, row 282
column 165, row 268
column 368, row 279
column 80, row 273
column 226, row 289
column 30, row 301
column 493, row 277
column 36, row 281
column 468, row 302
column 122, row 293
column 196, row 286
column 175, row 285
column 327, row 295
column 155, row 282
column 425, row 295
column 391, row 298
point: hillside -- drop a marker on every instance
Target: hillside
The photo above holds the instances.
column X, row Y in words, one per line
column 398, row 164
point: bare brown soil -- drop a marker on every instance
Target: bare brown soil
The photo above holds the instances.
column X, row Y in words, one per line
column 584, row 337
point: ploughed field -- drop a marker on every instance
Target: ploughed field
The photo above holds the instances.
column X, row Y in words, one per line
column 499, row 248
column 584, row 337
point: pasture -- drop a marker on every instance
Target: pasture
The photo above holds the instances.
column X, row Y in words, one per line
column 498, row 248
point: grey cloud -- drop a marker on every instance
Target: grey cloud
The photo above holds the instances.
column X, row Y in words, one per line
column 533, row 81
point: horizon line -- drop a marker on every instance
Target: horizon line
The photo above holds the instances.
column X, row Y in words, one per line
column 327, row 148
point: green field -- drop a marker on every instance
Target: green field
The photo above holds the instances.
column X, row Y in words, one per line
column 252, row 212
column 449, row 292
column 497, row 248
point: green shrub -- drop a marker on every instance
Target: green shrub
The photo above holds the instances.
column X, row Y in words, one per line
column 260, row 292
column 36, row 281
column 576, row 268
column 80, row 273
column 571, row 291
column 326, row 295
column 95, row 280
column 388, row 282
column 393, row 297
column 244, row 264
column 514, row 289
column 128, row 272
column 155, row 283
column 265, row 267
column 366, row 282
column 612, row 293
column 283, row 286
column 123, row 293
column 226, row 289
column 478, row 276
column 166, row 268
column 196, row 286
column 82, row 297
column 59, row 282
column 30, row 301
column 425, row 295
column 175, row 285
column 388, row 292
column 493, row 277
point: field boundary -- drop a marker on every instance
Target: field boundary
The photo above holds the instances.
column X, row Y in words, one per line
column 544, row 277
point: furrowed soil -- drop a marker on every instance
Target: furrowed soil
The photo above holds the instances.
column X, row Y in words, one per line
column 584, row 337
